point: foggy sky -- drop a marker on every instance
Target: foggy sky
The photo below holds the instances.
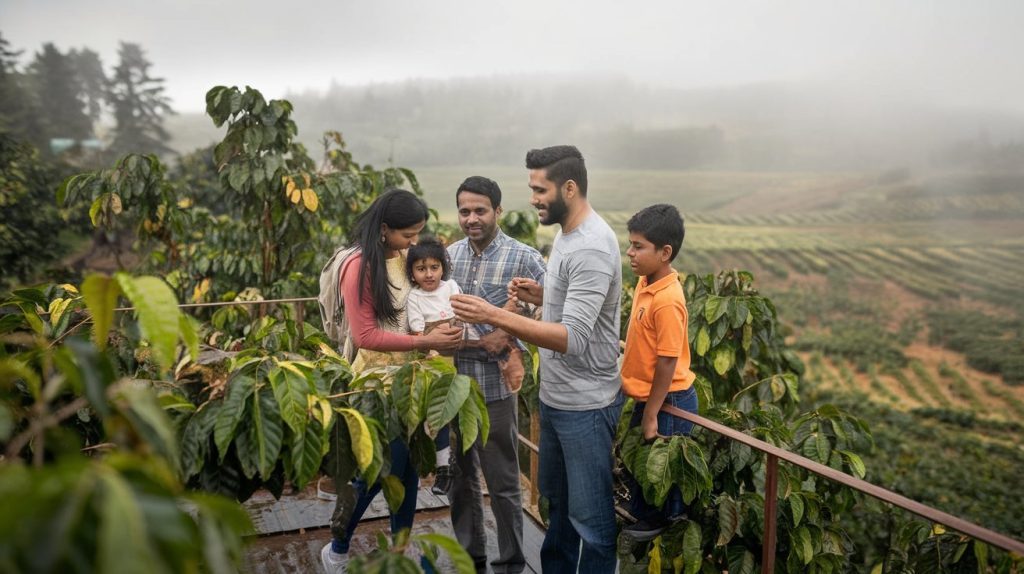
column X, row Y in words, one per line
column 949, row 53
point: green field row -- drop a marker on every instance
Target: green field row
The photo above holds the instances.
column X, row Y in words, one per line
column 920, row 386
column 993, row 274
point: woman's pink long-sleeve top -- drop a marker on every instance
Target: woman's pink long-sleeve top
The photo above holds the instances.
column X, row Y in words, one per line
column 362, row 320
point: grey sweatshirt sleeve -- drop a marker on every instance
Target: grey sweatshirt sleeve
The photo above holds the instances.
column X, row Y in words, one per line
column 590, row 277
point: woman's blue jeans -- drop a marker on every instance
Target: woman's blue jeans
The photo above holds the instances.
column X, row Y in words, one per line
column 402, row 467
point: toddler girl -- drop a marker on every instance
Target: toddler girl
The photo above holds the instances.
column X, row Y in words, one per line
column 427, row 307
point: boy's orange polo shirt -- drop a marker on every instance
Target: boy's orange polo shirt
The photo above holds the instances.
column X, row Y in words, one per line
column 657, row 327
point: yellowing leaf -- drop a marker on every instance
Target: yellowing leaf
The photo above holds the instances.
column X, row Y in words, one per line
column 115, row 203
column 362, row 444
column 321, row 409
column 94, row 211
column 654, row 565
column 200, row 290
column 305, row 177
column 289, row 187
column 328, row 351
column 100, row 293
column 938, row 529
column 57, row 308
column 309, row 199
column 703, row 342
column 185, row 203
column 295, row 195
column 723, row 358
column 290, row 365
column 69, row 288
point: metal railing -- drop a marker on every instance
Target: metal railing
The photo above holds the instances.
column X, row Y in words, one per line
column 298, row 303
column 775, row 453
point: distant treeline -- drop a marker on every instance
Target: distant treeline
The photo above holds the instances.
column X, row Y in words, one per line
column 68, row 103
column 620, row 124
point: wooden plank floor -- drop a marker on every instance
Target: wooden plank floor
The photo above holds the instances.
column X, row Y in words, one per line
column 295, row 528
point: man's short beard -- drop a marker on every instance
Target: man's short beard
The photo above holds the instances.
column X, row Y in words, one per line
column 557, row 210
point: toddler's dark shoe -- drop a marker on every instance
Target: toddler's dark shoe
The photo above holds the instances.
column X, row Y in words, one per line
column 442, row 480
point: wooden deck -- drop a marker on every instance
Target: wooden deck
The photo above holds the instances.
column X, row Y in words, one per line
column 295, row 528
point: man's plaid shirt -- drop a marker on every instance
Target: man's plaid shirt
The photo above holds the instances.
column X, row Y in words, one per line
column 487, row 275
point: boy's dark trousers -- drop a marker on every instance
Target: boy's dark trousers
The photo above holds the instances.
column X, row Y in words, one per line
column 668, row 425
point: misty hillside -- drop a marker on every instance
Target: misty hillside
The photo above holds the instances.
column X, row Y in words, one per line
column 620, row 124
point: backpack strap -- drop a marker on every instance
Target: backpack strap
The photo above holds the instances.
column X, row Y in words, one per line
column 331, row 302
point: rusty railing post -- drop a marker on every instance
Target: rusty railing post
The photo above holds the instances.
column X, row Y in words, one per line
column 771, row 498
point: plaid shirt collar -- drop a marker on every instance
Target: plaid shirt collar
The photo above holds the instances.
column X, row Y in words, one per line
column 499, row 240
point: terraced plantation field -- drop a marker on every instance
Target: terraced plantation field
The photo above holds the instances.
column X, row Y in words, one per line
column 859, row 267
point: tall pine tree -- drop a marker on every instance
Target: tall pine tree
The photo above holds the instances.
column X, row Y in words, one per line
column 92, row 80
column 139, row 105
column 19, row 112
column 59, row 92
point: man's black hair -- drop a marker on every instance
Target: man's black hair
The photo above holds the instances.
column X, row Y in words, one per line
column 480, row 185
column 562, row 163
column 660, row 224
column 428, row 248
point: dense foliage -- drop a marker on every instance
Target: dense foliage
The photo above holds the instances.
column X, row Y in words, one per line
column 266, row 399
column 256, row 213
column 748, row 380
column 103, row 492
column 924, row 440
column 994, row 344
column 837, row 320
column 30, row 217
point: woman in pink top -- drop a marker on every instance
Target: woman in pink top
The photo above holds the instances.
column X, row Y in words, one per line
column 374, row 287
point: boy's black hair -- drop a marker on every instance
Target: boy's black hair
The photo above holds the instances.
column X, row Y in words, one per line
column 661, row 224
column 428, row 248
column 481, row 185
column 561, row 163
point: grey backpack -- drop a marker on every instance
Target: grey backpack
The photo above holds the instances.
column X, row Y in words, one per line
column 332, row 304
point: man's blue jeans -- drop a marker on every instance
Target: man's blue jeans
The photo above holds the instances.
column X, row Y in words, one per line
column 576, row 477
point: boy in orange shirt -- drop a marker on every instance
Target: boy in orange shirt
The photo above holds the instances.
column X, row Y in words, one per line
column 656, row 363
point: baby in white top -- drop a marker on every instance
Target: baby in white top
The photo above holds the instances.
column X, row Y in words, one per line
column 426, row 307
column 428, row 304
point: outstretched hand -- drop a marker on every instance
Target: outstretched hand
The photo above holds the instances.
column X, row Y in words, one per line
column 473, row 309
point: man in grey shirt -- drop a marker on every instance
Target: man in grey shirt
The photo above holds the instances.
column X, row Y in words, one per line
column 580, row 385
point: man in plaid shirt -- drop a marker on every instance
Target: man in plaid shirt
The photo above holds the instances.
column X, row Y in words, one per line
column 483, row 264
